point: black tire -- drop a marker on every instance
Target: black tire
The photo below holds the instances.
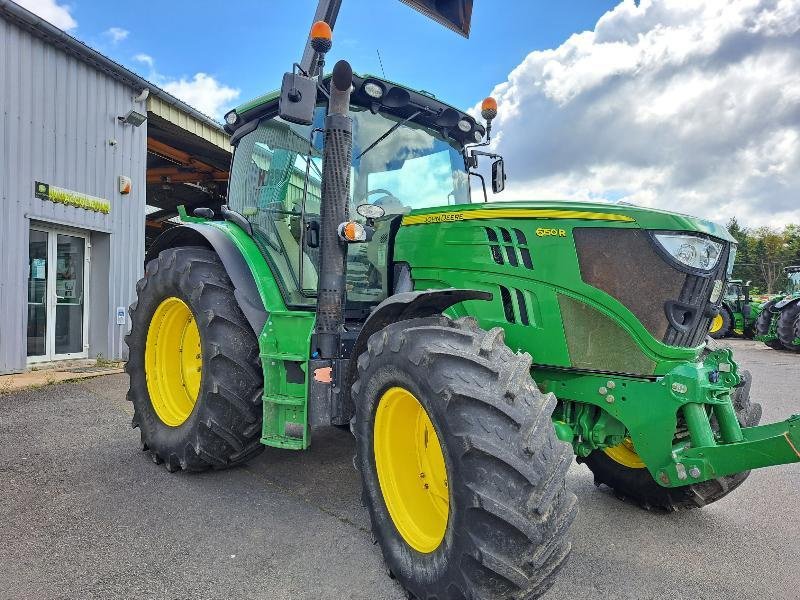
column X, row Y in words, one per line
column 788, row 328
column 727, row 324
column 224, row 427
column 510, row 513
column 763, row 325
column 639, row 487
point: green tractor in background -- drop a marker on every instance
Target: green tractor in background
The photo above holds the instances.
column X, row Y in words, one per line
column 778, row 325
column 472, row 348
column 738, row 313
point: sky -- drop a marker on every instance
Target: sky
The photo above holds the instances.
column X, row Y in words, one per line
column 686, row 106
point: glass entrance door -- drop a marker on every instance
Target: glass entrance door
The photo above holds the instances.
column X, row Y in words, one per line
column 37, row 294
column 57, row 291
column 69, row 306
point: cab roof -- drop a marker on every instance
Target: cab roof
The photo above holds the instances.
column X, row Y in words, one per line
column 396, row 99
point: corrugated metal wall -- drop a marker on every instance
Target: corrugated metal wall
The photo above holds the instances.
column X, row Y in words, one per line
column 57, row 116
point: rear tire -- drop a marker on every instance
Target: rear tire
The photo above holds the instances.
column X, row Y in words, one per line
column 223, row 427
column 505, row 533
column 788, row 328
column 638, row 486
column 763, row 324
column 724, row 327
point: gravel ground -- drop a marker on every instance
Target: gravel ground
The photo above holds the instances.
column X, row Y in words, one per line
column 84, row 514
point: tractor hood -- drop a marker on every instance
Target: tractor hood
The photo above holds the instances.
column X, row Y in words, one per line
column 599, row 274
column 646, row 218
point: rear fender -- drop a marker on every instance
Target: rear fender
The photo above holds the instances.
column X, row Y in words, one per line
column 785, row 303
column 198, row 234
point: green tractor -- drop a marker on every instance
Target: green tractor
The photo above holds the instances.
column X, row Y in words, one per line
column 738, row 313
column 472, row 348
column 778, row 325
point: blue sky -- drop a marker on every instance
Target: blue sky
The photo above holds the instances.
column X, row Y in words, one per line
column 248, row 44
column 674, row 104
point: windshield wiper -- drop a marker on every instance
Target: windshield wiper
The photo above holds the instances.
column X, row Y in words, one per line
column 391, row 130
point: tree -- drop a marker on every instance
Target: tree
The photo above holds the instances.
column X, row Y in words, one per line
column 762, row 254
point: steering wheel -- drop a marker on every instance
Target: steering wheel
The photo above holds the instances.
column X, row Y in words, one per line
column 391, row 204
column 380, row 191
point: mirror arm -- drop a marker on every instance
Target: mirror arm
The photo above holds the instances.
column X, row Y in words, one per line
column 483, row 184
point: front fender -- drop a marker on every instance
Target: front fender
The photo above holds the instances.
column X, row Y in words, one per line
column 412, row 305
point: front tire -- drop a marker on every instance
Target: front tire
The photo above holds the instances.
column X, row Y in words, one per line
column 721, row 324
column 194, row 373
column 763, row 324
column 788, row 329
column 621, row 469
column 471, row 501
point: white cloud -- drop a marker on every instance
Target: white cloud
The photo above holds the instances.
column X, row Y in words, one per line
column 116, row 34
column 50, row 10
column 144, row 59
column 687, row 106
column 204, row 93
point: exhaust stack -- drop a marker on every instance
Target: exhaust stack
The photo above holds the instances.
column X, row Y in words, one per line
column 336, row 159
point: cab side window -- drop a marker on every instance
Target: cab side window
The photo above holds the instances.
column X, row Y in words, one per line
column 268, row 185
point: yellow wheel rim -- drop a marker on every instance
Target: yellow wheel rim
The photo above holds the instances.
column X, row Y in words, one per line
column 173, row 361
column 411, row 470
column 625, row 454
column 716, row 324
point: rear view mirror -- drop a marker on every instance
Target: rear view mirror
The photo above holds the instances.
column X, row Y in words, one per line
column 498, row 176
column 298, row 99
column 312, row 234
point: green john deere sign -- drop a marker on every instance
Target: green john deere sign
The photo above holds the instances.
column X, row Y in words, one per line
column 44, row 191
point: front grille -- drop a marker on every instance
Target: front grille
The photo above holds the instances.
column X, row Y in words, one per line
column 696, row 293
column 625, row 263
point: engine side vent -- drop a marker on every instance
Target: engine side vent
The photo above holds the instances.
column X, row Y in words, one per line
column 497, row 255
column 508, row 305
column 515, row 305
column 522, row 241
column 507, row 249
column 523, row 308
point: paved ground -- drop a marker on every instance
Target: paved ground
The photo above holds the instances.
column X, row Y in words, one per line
column 83, row 514
column 58, row 372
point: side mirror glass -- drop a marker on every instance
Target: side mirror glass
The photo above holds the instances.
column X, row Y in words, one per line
column 498, row 176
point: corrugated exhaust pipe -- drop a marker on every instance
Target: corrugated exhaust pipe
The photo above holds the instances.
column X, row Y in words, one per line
column 336, row 159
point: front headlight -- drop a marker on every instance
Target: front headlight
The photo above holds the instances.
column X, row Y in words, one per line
column 691, row 250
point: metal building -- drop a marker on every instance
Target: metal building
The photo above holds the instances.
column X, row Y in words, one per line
column 74, row 153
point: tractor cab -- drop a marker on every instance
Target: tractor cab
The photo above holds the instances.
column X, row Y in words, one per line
column 734, row 292
column 409, row 151
column 793, row 275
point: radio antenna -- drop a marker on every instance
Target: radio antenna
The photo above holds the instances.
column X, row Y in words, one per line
column 380, row 62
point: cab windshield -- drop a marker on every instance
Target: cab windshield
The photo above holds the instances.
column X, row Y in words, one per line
column 794, row 282
column 276, row 181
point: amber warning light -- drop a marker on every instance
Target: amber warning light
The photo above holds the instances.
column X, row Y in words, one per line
column 321, row 37
column 489, row 108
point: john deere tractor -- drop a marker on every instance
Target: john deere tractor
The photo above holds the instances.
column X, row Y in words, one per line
column 778, row 324
column 356, row 278
column 738, row 313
